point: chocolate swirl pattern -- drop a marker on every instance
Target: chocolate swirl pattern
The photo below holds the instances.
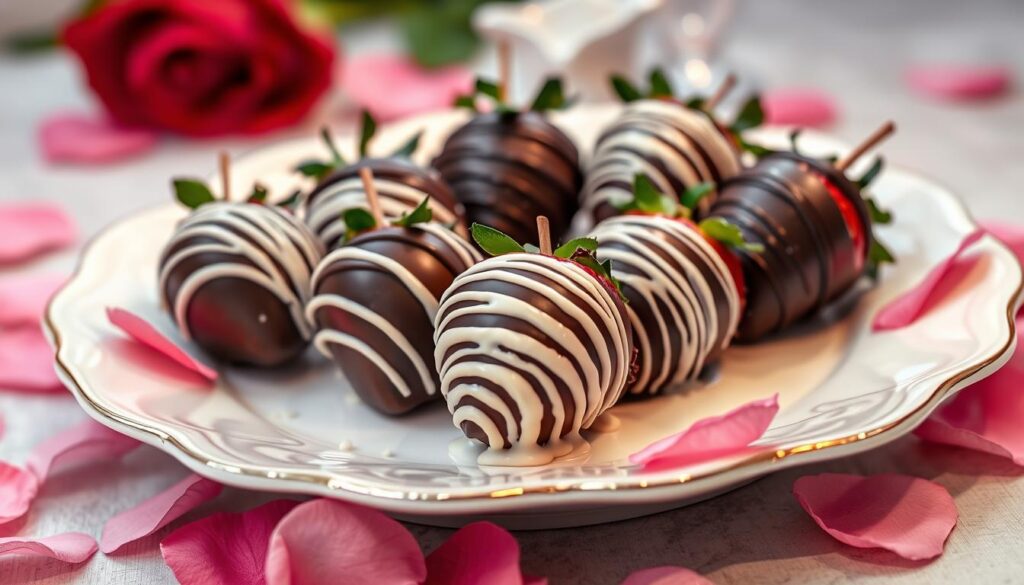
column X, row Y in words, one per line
column 674, row 146
column 374, row 305
column 530, row 350
column 236, row 276
column 792, row 205
column 684, row 306
column 508, row 168
column 401, row 186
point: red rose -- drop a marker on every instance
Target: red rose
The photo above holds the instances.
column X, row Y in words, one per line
column 202, row 67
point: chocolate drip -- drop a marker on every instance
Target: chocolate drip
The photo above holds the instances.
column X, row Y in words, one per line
column 374, row 305
column 508, row 168
column 810, row 256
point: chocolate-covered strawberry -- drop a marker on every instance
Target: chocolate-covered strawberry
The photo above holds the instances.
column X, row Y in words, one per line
column 815, row 225
column 374, row 302
column 401, row 186
column 533, row 345
column 508, row 166
column 682, row 279
column 672, row 143
column 235, row 276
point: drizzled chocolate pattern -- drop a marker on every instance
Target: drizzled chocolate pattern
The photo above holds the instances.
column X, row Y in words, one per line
column 684, row 306
column 530, row 349
column 674, row 146
column 235, row 276
column 788, row 203
column 508, row 168
column 374, row 305
column 401, row 186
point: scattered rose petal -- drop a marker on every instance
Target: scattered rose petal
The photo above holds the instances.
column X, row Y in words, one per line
column 328, row 541
column 82, row 443
column 478, row 553
column 30, row 229
column 909, row 516
column 393, row 86
column 71, row 547
column 17, row 490
column 798, row 107
column 906, row 308
column 140, row 330
column 711, row 438
column 157, row 512
column 23, row 298
column 224, row 549
column 26, row 361
column 1011, row 235
column 666, row 576
column 956, row 82
column 985, row 416
column 91, row 139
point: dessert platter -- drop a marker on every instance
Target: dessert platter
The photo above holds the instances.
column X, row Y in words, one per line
column 488, row 313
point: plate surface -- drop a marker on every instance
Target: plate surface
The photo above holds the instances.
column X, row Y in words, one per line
column 842, row 389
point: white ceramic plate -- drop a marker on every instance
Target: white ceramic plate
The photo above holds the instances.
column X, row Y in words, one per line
column 842, row 388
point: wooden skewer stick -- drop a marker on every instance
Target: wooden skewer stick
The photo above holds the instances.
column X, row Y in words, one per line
column 504, row 67
column 543, row 235
column 870, row 142
column 224, row 162
column 366, row 174
column 723, row 90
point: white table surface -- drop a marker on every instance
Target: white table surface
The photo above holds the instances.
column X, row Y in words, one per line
column 854, row 50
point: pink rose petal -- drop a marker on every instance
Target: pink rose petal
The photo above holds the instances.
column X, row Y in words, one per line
column 71, row 547
column 224, row 549
column 138, row 329
column 393, row 86
column 985, row 416
column 23, row 298
column 17, row 490
column 798, row 107
column 906, row 308
column 909, row 516
column 666, row 576
column 82, row 443
column 32, row 228
column 26, row 361
column 91, row 139
column 711, row 438
column 328, row 541
column 478, row 553
column 157, row 512
column 957, row 82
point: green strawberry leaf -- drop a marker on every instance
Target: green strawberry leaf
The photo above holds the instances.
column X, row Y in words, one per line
column 192, row 193
column 569, row 248
column 291, row 202
column 660, row 86
column 647, row 198
column 877, row 256
column 869, row 176
column 466, row 101
column 422, row 214
column 550, row 97
column 878, row 215
column 409, row 148
column 357, row 220
column 488, row 88
column 693, row 195
column 314, row 169
column 367, row 129
column 750, row 116
column 728, row 234
column 626, row 91
column 585, row 257
column 696, row 103
column 493, row 241
column 757, row 150
column 258, row 194
column 336, row 158
column 793, row 137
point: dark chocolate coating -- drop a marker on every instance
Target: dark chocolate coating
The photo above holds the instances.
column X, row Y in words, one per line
column 810, row 256
column 433, row 257
column 232, row 315
column 498, row 345
column 325, row 203
column 508, row 168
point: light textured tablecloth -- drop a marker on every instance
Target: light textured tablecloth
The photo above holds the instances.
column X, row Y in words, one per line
column 757, row 534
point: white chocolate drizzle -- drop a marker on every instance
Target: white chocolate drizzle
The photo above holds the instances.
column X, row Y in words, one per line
column 594, row 385
column 273, row 249
column 658, row 267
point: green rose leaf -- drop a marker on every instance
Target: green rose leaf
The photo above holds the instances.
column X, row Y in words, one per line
column 421, row 214
column 493, row 241
column 192, row 193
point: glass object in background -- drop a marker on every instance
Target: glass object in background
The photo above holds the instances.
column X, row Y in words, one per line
column 692, row 32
